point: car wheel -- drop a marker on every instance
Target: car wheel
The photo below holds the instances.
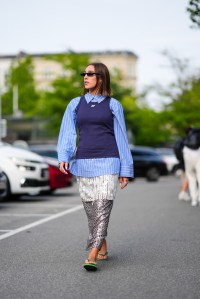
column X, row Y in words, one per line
column 48, row 192
column 6, row 193
column 152, row 174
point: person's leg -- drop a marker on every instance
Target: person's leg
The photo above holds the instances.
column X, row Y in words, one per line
column 88, row 206
column 103, row 253
column 184, row 185
column 198, row 177
column 190, row 164
column 85, row 190
column 103, row 248
column 98, row 213
column 183, row 195
column 101, row 191
column 92, row 256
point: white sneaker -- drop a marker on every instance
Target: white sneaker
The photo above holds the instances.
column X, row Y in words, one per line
column 194, row 203
column 183, row 196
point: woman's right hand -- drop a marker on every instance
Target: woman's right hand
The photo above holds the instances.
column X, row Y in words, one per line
column 64, row 166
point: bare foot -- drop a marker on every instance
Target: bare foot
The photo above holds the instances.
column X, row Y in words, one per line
column 102, row 256
column 88, row 261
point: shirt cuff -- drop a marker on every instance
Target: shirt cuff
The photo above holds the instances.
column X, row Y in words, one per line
column 64, row 157
column 126, row 171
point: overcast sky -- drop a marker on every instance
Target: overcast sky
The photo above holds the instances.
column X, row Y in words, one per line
column 144, row 27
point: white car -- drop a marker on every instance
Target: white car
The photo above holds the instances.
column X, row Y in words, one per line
column 26, row 172
column 169, row 158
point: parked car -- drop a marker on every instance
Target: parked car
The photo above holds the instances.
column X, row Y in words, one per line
column 169, row 157
column 3, row 185
column 26, row 172
column 47, row 150
column 148, row 163
column 57, row 178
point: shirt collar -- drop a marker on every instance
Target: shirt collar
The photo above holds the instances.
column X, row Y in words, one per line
column 90, row 97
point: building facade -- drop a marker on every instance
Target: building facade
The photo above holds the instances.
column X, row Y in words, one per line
column 47, row 70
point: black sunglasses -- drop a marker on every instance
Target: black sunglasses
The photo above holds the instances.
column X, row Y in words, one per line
column 89, row 74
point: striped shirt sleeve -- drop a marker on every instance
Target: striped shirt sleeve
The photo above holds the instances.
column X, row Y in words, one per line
column 126, row 160
column 67, row 137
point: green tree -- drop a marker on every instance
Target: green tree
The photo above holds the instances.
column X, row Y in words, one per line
column 69, row 85
column 183, row 96
column 194, row 12
column 64, row 88
column 147, row 125
column 21, row 75
column 118, row 90
column 185, row 106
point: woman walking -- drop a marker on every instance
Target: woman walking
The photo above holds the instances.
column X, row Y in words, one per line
column 102, row 157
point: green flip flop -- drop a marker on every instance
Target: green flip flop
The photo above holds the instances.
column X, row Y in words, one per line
column 103, row 256
column 90, row 266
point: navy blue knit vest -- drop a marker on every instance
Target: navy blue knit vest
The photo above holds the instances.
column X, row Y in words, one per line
column 96, row 130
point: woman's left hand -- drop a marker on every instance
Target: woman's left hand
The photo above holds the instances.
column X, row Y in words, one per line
column 123, row 182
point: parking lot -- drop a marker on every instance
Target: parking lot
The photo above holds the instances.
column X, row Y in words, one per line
column 26, row 212
column 153, row 241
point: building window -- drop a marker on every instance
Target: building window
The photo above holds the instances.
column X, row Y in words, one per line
column 47, row 73
column 130, row 70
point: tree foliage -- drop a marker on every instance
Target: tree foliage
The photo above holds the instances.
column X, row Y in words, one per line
column 53, row 103
column 64, row 88
column 21, row 75
column 194, row 12
column 183, row 109
column 149, row 127
column 185, row 106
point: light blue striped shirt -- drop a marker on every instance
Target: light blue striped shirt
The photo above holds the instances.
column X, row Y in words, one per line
column 66, row 147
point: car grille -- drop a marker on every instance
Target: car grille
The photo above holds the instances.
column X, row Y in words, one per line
column 34, row 183
column 44, row 173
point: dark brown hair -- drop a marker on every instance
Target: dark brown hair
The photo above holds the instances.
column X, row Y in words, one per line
column 104, row 86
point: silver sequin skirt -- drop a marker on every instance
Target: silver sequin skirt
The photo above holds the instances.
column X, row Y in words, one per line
column 98, row 214
column 97, row 195
column 100, row 187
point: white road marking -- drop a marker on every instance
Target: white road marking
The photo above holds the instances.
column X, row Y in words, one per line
column 5, row 230
column 25, row 215
column 36, row 223
column 43, row 205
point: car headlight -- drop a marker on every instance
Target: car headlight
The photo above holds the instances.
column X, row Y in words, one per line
column 23, row 164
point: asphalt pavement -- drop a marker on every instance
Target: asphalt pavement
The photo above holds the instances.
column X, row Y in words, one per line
column 153, row 239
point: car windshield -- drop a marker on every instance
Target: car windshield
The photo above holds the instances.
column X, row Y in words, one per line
column 48, row 150
column 50, row 154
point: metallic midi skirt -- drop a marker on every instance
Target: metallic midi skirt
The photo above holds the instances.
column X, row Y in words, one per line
column 100, row 187
column 97, row 195
column 98, row 214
